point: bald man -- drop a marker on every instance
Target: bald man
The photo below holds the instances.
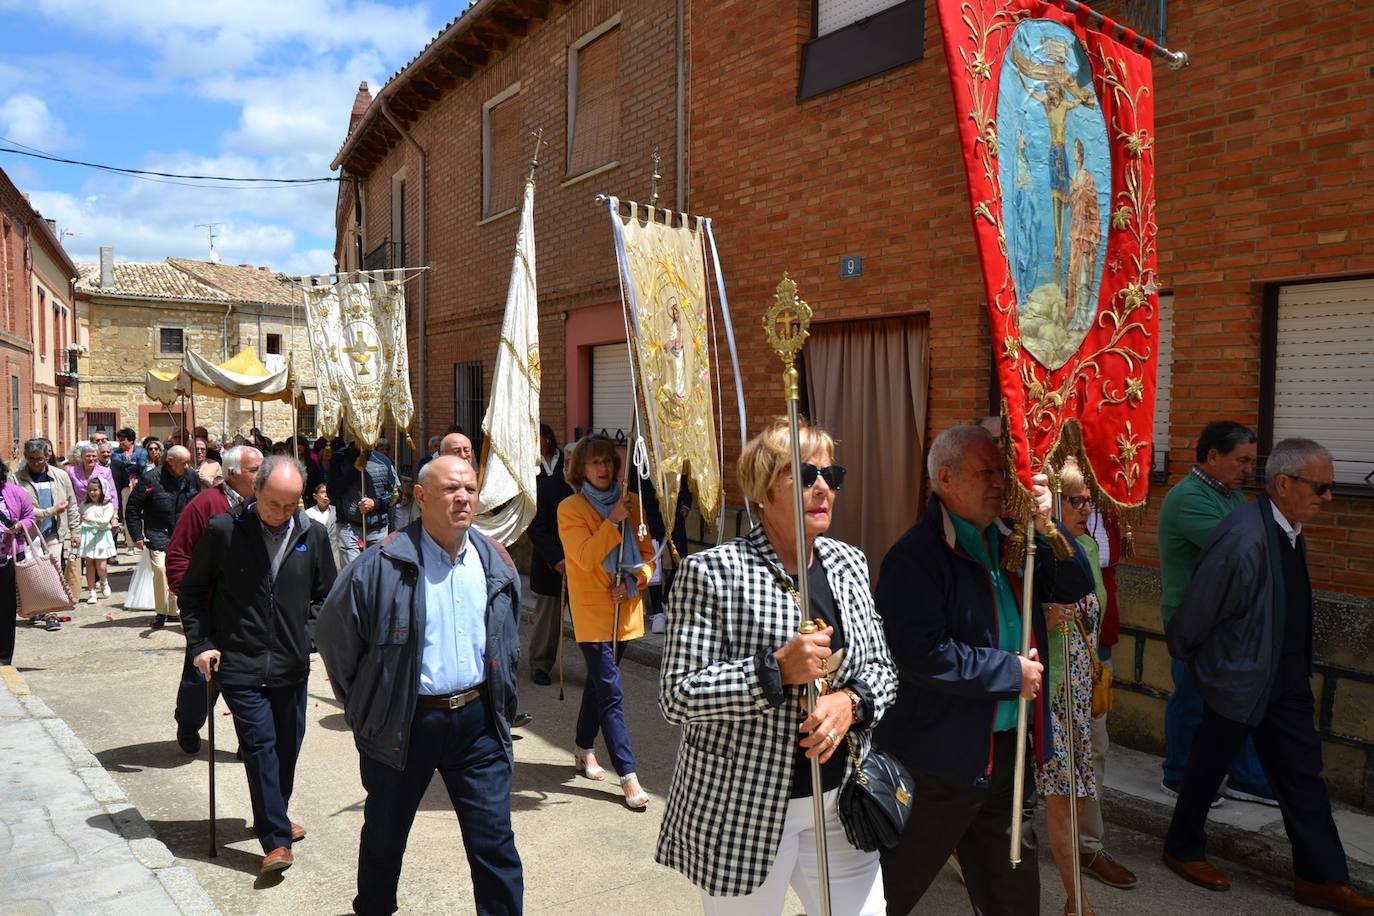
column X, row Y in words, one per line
column 459, row 446
column 443, row 601
column 155, row 504
column 249, row 601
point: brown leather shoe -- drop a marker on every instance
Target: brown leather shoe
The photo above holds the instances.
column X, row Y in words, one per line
column 297, row 831
column 1200, row 873
column 278, row 859
column 1335, row 896
column 1104, row 868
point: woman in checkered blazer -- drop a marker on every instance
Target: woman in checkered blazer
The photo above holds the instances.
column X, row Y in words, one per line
column 740, row 820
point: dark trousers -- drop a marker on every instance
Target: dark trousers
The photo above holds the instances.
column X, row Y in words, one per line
column 977, row 822
column 603, row 708
column 270, row 722
column 545, row 634
column 464, row 746
column 192, row 705
column 1182, row 715
column 9, row 607
column 1290, row 749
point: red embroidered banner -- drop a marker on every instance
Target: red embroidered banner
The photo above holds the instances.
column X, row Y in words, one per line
column 1056, row 121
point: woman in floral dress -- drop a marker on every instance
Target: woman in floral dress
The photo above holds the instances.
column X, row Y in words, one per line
column 1052, row 779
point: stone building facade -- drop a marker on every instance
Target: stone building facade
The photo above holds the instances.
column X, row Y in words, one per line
column 136, row 317
column 825, row 146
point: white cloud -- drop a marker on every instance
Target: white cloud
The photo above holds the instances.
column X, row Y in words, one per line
column 25, row 119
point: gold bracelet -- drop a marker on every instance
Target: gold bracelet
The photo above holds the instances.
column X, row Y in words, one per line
column 855, row 701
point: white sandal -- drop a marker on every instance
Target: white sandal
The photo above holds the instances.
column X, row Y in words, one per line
column 585, row 762
column 639, row 800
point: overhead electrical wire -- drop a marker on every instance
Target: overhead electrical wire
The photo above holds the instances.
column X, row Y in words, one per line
column 233, row 182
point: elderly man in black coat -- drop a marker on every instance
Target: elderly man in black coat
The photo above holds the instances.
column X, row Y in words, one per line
column 1245, row 628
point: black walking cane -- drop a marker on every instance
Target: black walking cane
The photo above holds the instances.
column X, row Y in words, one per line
column 210, row 720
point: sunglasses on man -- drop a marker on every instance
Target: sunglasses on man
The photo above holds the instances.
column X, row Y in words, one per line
column 832, row 475
column 1321, row 488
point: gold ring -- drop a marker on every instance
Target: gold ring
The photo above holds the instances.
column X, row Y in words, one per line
column 832, row 738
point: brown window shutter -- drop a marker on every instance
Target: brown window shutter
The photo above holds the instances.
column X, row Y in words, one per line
column 597, row 118
column 508, row 157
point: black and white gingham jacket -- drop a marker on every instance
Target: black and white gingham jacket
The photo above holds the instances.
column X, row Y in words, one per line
column 733, row 777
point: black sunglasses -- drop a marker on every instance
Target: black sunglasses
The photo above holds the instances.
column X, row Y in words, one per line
column 1078, row 502
column 833, row 476
column 1321, row 488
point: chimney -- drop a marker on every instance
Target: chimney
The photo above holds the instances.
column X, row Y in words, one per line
column 360, row 103
column 107, row 280
column 52, row 224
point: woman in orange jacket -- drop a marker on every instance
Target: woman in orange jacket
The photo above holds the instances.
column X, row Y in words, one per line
column 607, row 566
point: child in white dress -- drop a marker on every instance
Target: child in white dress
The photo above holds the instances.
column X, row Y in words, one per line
column 97, row 543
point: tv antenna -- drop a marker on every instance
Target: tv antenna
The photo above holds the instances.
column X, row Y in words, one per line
column 210, row 229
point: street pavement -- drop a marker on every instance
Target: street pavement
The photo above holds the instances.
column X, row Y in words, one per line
column 112, row 681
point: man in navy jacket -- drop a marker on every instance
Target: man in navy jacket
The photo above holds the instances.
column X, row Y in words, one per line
column 952, row 619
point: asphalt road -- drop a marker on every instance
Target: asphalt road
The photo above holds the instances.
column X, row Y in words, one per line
column 114, row 682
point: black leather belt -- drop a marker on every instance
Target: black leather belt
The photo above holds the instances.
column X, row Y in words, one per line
column 454, row 701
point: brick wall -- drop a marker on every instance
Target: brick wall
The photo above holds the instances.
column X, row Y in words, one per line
column 471, row 257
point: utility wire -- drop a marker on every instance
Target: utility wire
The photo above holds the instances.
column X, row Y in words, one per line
column 150, row 175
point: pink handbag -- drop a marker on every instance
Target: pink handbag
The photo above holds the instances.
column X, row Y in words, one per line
column 38, row 581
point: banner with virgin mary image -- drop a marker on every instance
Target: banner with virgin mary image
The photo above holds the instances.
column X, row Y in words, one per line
column 663, row 273
column 1056, row 124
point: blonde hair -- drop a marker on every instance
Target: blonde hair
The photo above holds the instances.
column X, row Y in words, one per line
column 768, row 456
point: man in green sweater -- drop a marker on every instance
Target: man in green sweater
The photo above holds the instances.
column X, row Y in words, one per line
column 1194, row 506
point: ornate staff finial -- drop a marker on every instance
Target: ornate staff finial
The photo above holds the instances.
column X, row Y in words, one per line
column 786, row 324
column 654, row 179
column 538, row 136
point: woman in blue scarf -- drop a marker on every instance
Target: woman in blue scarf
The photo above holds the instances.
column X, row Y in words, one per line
column 608, row 568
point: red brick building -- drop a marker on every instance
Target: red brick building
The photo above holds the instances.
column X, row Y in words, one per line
column 820, row 136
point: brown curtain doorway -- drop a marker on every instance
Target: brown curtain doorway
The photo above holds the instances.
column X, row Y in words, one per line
column 867, row 384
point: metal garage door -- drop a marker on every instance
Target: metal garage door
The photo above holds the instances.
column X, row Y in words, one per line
column 612, row 393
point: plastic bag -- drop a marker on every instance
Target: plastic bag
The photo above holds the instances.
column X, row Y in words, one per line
column 140, row 594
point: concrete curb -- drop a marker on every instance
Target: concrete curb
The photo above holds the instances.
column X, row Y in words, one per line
column 179, row 882
column 1264, row 850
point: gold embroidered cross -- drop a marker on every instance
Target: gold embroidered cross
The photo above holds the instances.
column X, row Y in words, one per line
column 360, row 351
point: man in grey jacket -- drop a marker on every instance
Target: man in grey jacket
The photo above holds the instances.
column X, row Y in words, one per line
column 1244, row 626
column 419, row 639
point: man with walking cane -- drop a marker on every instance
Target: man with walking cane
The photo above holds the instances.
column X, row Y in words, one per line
column 249, row 601
column 953, row 623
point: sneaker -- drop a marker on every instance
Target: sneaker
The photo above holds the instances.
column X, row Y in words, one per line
column 53, row 623
column 659, row 623
column 38, row 620
column 106, row 590
column 1249, row 792
column 93, row 597
column 1171, row 789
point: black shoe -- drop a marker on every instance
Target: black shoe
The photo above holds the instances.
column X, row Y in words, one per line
column 521, row 720
column 188, row 740
column 541, row 678
column 159, row 621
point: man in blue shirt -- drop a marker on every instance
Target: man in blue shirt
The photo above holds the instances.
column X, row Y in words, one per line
column 419, row 638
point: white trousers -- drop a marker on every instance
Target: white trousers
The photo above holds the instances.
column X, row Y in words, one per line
column 856, row 881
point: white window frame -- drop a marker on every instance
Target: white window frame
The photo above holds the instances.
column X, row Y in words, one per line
column 504, row 95
column 573, row 50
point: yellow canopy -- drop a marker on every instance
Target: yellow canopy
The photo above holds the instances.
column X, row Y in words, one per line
column 242, row 376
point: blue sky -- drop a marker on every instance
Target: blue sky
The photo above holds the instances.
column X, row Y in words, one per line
column 248, row 87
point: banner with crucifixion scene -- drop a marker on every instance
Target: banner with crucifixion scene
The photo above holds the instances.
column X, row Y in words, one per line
column 357, row 327
column 1056, row 123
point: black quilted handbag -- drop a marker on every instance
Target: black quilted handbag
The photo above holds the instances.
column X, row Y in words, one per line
column 875, row 800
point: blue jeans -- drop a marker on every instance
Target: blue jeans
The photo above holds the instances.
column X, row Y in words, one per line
column 1182, row 716
column 270, row 722
column 603, row 707
column 464, row 746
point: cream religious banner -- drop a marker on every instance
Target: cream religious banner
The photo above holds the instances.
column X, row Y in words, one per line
column 663, row 269
column 510, row 429
column 357, row 330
